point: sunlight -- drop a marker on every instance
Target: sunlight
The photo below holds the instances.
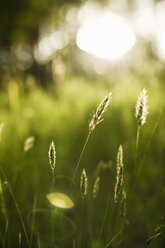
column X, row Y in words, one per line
column 106, row 36
column 49, row 44
column 60, row 200
column 160, row 29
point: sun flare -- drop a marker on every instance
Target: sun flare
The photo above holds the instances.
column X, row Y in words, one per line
column 106, row 36
column 60, row 200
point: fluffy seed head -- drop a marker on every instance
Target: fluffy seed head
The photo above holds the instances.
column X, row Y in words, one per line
column 83, row 184
column 142, row 108
column 29, row 142
column 120, row 172
column 96, row 187
column 98, row 116
column 52, row 156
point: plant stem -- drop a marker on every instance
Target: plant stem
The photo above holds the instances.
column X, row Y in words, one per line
column 137, row 145
column 6, row 227
column 19, row 239
column 53, row 213
column 16, row 205
column 38, row 241
column 52, row 228
column 86, row 141
column 105, row 213
column 113, row 239
column 134, row 177
column 149, row 142
column 141, row 162
column 53, row 177
column 74, row 243
column 34, row 207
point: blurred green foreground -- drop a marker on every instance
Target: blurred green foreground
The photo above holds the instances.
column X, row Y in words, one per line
column 62, row 114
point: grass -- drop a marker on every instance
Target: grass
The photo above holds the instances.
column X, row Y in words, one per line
column 63, row 116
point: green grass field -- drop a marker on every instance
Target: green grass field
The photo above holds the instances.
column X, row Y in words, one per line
column 62, row 114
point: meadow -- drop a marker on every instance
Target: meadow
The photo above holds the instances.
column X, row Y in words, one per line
column 62, row 114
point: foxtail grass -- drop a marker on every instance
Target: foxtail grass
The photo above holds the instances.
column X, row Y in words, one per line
column 29, row 143
column 138, row 171
column 141, row 116
column 52, row 158
column 97, row 117
column 142, row 108
column 96, row 187
column 83, row 184
column 120, row 172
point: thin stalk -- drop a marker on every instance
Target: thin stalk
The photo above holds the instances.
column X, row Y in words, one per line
column 149, row 142
column 85, row 234
column 4, row 212
column 82, row 152
column 19, row 239
column 135, row 163
column 16, row 205
column 104, row 219
column 6, row 228
column 144, row 155
column 53, row 177
column 52, row 228
column 111, row 226
column 112, row 240
column 34, row 207
column 53, row 215
column 38, row 241
column 137, row 145
column 120, row 242
column 17, row 169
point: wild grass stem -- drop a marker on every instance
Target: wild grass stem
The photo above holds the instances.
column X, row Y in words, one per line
column 149, row 142
column 82, row 152
column 16, row 205
column 19, row 238
column 104, row 218
column 112, row 240
column 137, row 145
column 138, row 171
column 33, row 218
column 5, row 234
column 38, row 241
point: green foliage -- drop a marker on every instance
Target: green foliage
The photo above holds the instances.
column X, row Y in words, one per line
column 159, row 230
column 63, row 115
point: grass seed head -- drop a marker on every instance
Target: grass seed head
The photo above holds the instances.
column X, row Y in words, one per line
column 96, row 187
column 52, row 156
column 83, row 184
column 98, row 116
column 28, row 144
column 120, row 172
column 142, row 108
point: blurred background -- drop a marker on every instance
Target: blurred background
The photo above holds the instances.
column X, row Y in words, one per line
column 58, row 59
